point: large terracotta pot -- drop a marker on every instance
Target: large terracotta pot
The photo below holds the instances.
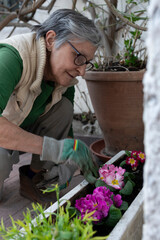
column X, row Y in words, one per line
column 117, row 98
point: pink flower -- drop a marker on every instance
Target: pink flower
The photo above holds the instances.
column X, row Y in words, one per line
column 120, row 170
column 117, row 200
column 112, row 175
column 115, row 181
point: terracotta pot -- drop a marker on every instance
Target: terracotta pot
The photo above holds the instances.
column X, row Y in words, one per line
column 117, row 98
column 98, row 148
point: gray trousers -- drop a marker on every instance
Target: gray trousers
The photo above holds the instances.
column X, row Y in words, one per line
column 55, row 123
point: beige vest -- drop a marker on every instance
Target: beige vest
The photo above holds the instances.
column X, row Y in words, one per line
column 33, row 54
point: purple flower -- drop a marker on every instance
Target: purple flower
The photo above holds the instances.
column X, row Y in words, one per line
column 103, row 192
column 117, row 200
column 100, row 202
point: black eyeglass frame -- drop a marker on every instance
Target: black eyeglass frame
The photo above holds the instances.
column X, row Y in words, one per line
column 78, row 55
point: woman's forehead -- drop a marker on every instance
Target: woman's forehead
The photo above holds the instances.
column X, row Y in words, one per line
column 84, row 47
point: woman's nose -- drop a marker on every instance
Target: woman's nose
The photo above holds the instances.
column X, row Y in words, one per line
column 81, row 70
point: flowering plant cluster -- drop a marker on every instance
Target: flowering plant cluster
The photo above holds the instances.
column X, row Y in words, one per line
column 107, row 202
column 112, row 175
column 99, row 203
column 134, row 159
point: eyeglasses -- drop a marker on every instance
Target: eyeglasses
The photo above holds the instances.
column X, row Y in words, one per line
column 81, row 60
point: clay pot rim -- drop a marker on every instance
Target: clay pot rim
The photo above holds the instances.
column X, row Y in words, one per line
column 114, row 76
column 101, row 156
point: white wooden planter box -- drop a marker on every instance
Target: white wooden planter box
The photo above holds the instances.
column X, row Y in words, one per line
column 130, row 225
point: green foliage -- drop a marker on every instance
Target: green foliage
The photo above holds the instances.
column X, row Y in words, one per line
column 128, row 188
column 100, row 183
column 131, row 1
column 122, row 163
column 130, row 58
column 134, row 18
column 96, row 65
column 124, row 206
column 113, row 217
column 41, row 230
column 129, row 176
column 67, row 225
column 128, row 153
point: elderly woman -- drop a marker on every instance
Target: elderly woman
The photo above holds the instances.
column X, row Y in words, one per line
column 37, row 78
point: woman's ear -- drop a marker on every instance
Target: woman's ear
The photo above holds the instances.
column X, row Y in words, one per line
column 50, row 36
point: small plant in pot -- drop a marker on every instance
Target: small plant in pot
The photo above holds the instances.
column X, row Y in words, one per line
column 115, row 84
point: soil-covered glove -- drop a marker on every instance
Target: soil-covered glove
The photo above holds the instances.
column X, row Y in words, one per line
column 70, row 151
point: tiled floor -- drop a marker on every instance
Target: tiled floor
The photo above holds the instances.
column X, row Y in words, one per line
column 13, row 203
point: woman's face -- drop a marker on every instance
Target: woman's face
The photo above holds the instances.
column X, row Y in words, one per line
column 62, row 68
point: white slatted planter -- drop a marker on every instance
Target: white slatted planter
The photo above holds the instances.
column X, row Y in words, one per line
column 130, row 225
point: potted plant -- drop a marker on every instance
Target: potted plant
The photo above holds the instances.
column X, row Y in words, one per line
column 115, row 84
column 94, row 212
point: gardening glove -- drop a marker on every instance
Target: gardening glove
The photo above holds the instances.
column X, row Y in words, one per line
column 60, row 174
column 72, row 152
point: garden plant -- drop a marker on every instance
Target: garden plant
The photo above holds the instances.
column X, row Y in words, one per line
column 92, row 216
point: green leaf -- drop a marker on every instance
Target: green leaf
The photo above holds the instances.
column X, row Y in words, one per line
column 124, row 206
column 122, row 163
column 131, row 1
column 100, row 183
column 129, row 175
column 96, row 65
column 65, row 235
column 113, row 217
column 72, row 211
column 128, row 188
column 128, row 153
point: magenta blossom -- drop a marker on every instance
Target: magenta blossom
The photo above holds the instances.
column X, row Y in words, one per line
column 117, row 200
column 92, row 203
column 100, row 202
column 112, row 175
column 104, row 194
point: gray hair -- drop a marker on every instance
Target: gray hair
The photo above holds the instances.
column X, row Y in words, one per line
column 68, row 25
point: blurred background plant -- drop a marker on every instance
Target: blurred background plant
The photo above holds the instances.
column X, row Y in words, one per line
column 122, row 25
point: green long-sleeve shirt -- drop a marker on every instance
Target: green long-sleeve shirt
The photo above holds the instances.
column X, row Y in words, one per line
column 11, row 67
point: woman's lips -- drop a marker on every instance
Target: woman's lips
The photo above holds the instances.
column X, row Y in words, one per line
column 70, row 75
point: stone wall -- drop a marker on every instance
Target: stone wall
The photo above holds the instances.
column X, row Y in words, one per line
column 151, row 227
